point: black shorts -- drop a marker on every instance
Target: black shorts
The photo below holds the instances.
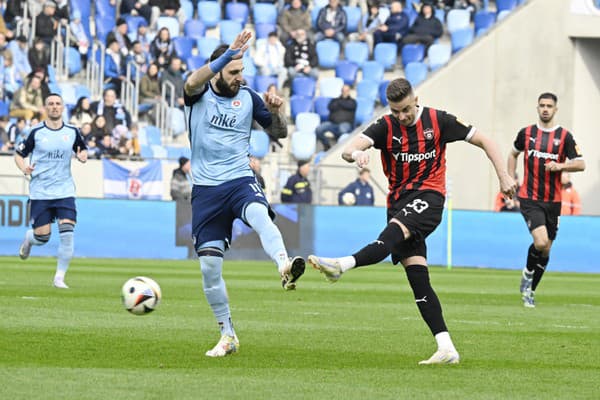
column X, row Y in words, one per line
column 45, row 212
column 421, row 212
column 538, row 213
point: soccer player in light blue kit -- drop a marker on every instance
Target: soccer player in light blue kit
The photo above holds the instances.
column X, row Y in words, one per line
column 49, row 147
column 220, row 111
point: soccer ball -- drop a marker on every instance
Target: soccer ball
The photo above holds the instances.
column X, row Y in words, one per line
column 349, row 199
column 140, row 295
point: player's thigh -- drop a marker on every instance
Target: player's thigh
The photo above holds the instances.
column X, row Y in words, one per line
column 533, row 213
column 66, row 210
column 420, row 212
column 42, row 213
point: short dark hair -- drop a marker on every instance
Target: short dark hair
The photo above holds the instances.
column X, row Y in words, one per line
column 53, row 94
column 398, row 90
column 548, row 95
column 218, row 52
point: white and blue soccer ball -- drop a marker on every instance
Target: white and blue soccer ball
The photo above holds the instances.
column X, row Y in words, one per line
column 140, row 295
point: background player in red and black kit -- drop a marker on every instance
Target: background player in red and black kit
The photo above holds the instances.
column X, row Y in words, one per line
column 548, row 150
column 412, row 141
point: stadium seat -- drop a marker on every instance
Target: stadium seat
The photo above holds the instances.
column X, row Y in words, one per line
column 321, row 106
column 458, row 19
column 412, row 53
column 209, row 12
column 174, row 152
column 440, row 14
column 176, row 119
column 133, row 22
column 314, row 14
column 51, row 74
column 300, row 104
column 367, row 89
column 262, row 82
column 82, row 91
column 502, row 5
column 263, row 30
column 69, row 94
column 158, row 151
column 415, row 72
column 304, row 86
column 237, row 12
column 502, row 14
column 264, row 13
column 346, row 70
column 146, row 151
column 386, row 54
column 183, row 46
column 249, row 69
column 411, row 13
column 259, row 143
column 328, row 53
column 373, row 70
column 153, row 136
column 171, row 23
column 461, row 38
column 330, row 87
column 228, row 30
column 382, row 97
column 303, row 145
column 364, row 110
column 103, row 26
column 187, row 7
column 357, row 52
column 307, row 121
column 105, row 9
column 206, row 45
column 438, row 55
column 353, row 17
column 483, row 21
column 195, row 62
column 194, row 28
column 4, row 108
column 73, row 60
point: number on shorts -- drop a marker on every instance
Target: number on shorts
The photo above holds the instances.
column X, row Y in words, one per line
column 418, row 205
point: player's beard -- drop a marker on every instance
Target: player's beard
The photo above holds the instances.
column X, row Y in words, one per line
column 225, row 89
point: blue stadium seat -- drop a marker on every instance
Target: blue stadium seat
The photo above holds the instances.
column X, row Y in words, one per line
column 502, row 14
column 206, row 45
column 174, row 152
column 176, row 118
column 328, row 53
column 364, row 110
column 357, row 52
column 171, row 23
column 347, row 70
column 146, row 151
column 373, row 70
column 158, row 151
column 415, row 72
column 461, row 38
column 133, row 22
column 183, row 46
column 4, row 108
column 300, row 104
column 458, row 19
column 263, row 30
column 264, row 13
column 303, row 145
column 249, row 69
column 209, row 12
column 438, row 55
column 187, row 7
column 353, row 16
column 228, row 30
column 73, row 60
column 194, row 28
column 82, row 91
column 321, row 106
column 314, row 14
column 103, row 26
column 68, row 92
column 237, row 12
column 483, row 21
column 502, row 5
column 307, row 121
column 153, row 135
column 412, row 53
column 440, row 14
column 262, row 82
column 330, row 87
column 259, row 143
column 411, row 13
column 382, row 97
column 105, row 9
column 367, row 89
column 51, row 74
column 195, row 62
column 386, row 54
column 304, row 86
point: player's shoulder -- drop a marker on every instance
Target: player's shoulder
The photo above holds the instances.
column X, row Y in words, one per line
column 68, row 126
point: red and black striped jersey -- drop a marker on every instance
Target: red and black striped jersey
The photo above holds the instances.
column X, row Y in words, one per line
column 539, row 147
column 414, row 157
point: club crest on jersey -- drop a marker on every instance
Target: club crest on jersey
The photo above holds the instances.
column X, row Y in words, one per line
column 428, row 133
column 557, row 142
column 65, row 138
column 237, row 103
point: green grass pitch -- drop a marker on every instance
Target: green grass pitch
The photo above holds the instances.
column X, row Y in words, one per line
column 360, row 338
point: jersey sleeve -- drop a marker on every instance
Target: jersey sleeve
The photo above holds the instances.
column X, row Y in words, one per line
column 519, row 143
column 571, row 149
column 377, row 132
column 191, row 100
column 79, row 142
column 27, row 145
column 453, row 129
column 260, row 112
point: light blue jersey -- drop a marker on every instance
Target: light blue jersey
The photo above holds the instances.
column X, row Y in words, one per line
column 51, row 151
column 220, row 133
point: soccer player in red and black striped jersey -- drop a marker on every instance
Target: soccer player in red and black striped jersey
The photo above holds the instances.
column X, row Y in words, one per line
column 412, row 141
column 548, row 150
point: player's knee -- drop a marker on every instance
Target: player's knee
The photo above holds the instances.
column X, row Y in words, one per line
column 42, row 238
column 210, row 252
column 391, row 236
column 542, row 245
column 66, row 227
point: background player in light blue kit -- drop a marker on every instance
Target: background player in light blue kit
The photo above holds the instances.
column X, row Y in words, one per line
column 220, row 111
column 51, row 190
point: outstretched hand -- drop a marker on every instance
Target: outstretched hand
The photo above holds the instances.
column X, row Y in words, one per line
column 273, row 102
column 241, row 43
column 508, row 186
column 82, row 155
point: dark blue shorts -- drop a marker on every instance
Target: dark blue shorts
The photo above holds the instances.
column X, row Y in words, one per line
column 45, row 212
column 214, row 208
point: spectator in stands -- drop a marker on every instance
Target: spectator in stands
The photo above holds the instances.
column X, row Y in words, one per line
column 137, row 7
column 27, row 101
column 472, row 5
column 81, row 41
column 43, row 75
column 174, row 75
column 62, row 14
column 139, row 57
column 90, row 140
column 39, row 55
column 13, row 13
column 297, row 188
column 121, row 140
column 255, row 165
column 150, row 85
column 3, row 42
column 292, row 19
column 426, row 28
column 269, row 58
column 273, row 90
column 570, row 200
column 15, row 132
column 341, row 118
column 4, row 140
column 161, row 48
column 114, row 112
column 395, row 27
column 331, row 22
column 119, row 33
column 301, row 57
column 135, row 146
column 144, row 37
column 46, row 24
column 105, row 148
column 99, row 128
column 114, row 66
column 181, row 181
column 11, row 80
column 82, row 112
column 18, row 48
column 375, row 17
column 359, row 192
